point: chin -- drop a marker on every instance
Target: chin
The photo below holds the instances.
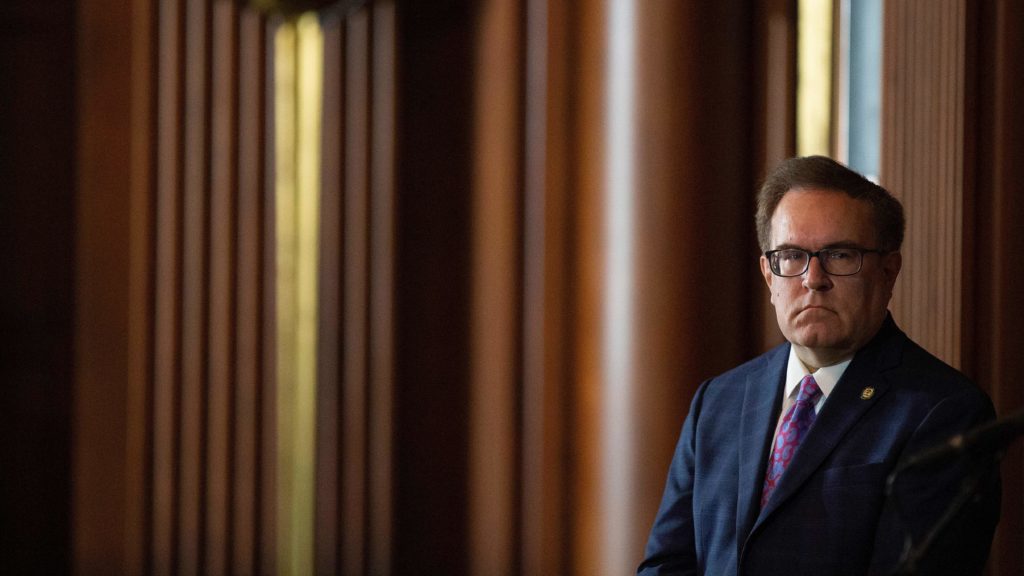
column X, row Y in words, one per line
column 815, row 339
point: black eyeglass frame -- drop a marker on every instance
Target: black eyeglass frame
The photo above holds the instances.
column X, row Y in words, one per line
column 774, row 265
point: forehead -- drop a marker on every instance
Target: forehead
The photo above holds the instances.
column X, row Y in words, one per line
column 814, row 218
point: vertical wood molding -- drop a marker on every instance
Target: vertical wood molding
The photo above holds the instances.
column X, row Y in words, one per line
column 382, row 330
column 331, row 318
column 167, row 319
column 547, row 230
column 195, row 295
column 249, row 434
column 268, row 560
column 355, row 297
column 494, row 353
column 223, row 223
column 586, row 296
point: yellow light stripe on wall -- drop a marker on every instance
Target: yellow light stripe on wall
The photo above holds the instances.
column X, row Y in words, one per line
column 298, row 67
column 814, row 78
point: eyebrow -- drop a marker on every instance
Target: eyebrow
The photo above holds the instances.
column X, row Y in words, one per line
column 832, row 245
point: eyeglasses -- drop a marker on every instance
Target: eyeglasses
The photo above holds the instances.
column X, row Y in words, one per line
column 791, row 262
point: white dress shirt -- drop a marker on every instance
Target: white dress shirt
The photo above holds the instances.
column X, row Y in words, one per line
column 826, row 377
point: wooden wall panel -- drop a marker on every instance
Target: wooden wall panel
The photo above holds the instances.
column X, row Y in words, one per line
column 949, row 125
column 205, row 496
column 923, row 165
column 355, row 381
column 495, row 395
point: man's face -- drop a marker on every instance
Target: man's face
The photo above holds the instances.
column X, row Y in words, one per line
column 828, row 318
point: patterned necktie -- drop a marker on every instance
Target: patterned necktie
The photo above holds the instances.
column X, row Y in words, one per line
column 794, row 427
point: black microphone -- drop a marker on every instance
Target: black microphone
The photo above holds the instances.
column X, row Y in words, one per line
column 984, row 439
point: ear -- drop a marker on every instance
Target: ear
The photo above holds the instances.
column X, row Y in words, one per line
column 766, row 271
column 892, row 263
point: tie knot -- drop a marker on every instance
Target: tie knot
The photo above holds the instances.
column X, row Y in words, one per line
column 809, row 390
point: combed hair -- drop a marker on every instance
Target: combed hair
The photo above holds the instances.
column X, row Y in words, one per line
column 820, row 172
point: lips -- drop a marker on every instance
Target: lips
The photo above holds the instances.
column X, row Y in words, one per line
column 814, row 307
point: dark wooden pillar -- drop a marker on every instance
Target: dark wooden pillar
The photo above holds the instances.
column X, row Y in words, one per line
column 434, row 64
column 994, row 333
column 663, row 230
column 38, row 130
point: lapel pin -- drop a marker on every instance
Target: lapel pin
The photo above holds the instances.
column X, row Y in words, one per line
column 867, row 393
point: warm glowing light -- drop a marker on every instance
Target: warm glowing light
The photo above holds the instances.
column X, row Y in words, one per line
column 814, row 73
column 298, row 70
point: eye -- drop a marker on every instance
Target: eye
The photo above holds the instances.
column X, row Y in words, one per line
column 842, row 254
column 791, row 255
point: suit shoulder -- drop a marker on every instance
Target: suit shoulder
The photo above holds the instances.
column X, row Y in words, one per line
column 923, row 370
column 771, row 361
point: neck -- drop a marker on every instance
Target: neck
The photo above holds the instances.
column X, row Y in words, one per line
column 813, row 359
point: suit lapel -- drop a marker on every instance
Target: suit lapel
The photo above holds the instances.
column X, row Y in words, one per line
column 759, row 414
column 844, row 407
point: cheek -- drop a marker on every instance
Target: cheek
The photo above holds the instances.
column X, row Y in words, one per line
column 783, row 294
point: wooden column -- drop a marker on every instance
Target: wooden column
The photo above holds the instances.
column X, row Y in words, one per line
column 432, row 212
column 663, row 241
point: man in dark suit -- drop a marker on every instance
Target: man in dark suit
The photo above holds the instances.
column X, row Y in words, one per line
column 782, row 463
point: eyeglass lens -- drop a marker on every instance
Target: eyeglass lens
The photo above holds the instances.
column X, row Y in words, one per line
column 838, row 261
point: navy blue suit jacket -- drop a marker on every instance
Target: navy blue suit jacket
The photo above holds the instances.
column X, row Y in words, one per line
column 829, row 514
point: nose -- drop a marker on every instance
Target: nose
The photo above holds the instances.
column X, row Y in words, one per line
column 815, row 278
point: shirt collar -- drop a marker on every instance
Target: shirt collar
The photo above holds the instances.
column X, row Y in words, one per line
column 826, row 376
